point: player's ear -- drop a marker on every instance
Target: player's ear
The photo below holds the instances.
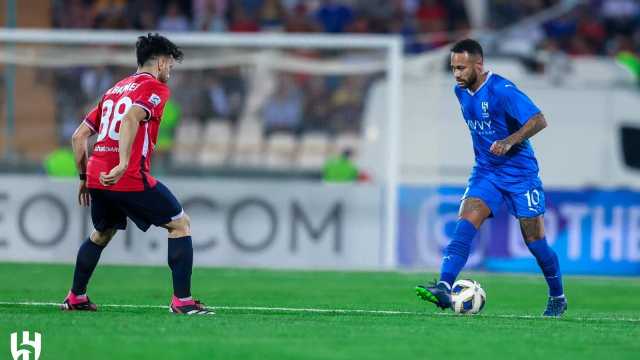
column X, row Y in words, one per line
column 165, row 62
column 479, row 62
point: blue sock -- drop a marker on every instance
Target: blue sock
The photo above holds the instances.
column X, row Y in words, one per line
column 548, row 262
column 457, row 252
column 86, row 261
column 180, row 258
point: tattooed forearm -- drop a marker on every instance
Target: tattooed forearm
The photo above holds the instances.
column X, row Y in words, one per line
column 530, row 128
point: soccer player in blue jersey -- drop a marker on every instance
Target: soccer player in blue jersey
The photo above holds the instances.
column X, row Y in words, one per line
column 501, row 119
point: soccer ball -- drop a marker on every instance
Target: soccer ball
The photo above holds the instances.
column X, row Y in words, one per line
column 467, row 297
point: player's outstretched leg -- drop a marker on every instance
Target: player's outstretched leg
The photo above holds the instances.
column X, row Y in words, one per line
column 533, row 233
column 180, row 259
column 86, row 261
column 473, row 212
column 454, row 259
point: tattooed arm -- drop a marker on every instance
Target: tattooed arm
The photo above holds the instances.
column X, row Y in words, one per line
column 530, row 128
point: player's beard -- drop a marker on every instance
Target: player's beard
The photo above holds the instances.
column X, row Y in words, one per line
column 473, row 78
column 466, row 83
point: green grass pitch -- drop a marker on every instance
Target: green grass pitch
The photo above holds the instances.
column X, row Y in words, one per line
column 260, row 316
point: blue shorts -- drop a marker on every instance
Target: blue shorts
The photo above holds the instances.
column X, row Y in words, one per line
column 154, row 206
column 524, row 199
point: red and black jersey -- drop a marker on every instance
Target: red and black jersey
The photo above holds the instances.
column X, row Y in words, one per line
column 141, row 89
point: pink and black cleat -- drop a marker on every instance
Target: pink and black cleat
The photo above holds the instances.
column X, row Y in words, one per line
column 77, row 302
column 188, row 307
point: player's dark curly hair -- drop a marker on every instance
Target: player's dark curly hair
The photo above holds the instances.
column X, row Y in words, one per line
column 153, row 45
column 467, row 45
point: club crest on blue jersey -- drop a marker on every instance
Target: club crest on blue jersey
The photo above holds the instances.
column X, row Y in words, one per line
column 485, row 109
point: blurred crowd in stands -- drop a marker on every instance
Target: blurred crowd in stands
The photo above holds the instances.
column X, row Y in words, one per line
column 330, row 104
column 407, row 17
column 595, row 27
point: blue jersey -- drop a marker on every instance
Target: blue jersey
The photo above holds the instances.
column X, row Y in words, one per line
column 494, row 111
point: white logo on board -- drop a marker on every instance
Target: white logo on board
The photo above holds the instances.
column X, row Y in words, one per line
column 19, row 353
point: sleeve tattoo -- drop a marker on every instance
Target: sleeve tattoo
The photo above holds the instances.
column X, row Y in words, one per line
column 529, row 129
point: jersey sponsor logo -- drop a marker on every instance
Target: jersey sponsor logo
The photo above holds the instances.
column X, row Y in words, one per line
column 479, row 124
column 480, row 127
column 122, row 89
column 155, row 99
column 101, row 148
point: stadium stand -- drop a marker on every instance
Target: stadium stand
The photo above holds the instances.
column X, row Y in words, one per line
column 314, row 147
column 187, row 142
column 321, row 107
column 216, row 144
column 281, row 149
column 248, row 145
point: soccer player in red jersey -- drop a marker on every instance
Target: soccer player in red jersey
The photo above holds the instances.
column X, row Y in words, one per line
column 116, row 182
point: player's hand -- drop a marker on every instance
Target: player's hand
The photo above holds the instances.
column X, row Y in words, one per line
column 83, row 194
column 113, row 176
column 500, row 147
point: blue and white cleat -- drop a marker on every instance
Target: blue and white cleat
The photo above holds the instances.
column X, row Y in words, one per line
column 437, row 293
column 555, row 307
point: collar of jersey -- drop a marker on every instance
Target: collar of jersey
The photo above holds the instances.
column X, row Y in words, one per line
column 489, row 73
column 145, row 73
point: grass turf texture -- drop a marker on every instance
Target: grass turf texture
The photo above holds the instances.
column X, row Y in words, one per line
column 594, row 327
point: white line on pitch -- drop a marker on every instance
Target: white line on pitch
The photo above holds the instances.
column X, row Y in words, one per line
column 329, row 311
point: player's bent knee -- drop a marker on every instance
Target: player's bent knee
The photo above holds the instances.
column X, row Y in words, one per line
column 184, row 223
column 179, row 227
column 474, row 210
column 102, row 238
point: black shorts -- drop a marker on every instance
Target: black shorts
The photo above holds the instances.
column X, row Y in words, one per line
column 155, row 206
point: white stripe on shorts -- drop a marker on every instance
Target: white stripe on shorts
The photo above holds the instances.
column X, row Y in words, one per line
column 181, row 214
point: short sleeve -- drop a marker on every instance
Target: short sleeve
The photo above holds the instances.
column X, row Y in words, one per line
column 92, row 119
column 151, row 96
column 517, row 104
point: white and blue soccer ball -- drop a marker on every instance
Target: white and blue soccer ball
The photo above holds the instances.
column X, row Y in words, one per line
column 467, row 297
